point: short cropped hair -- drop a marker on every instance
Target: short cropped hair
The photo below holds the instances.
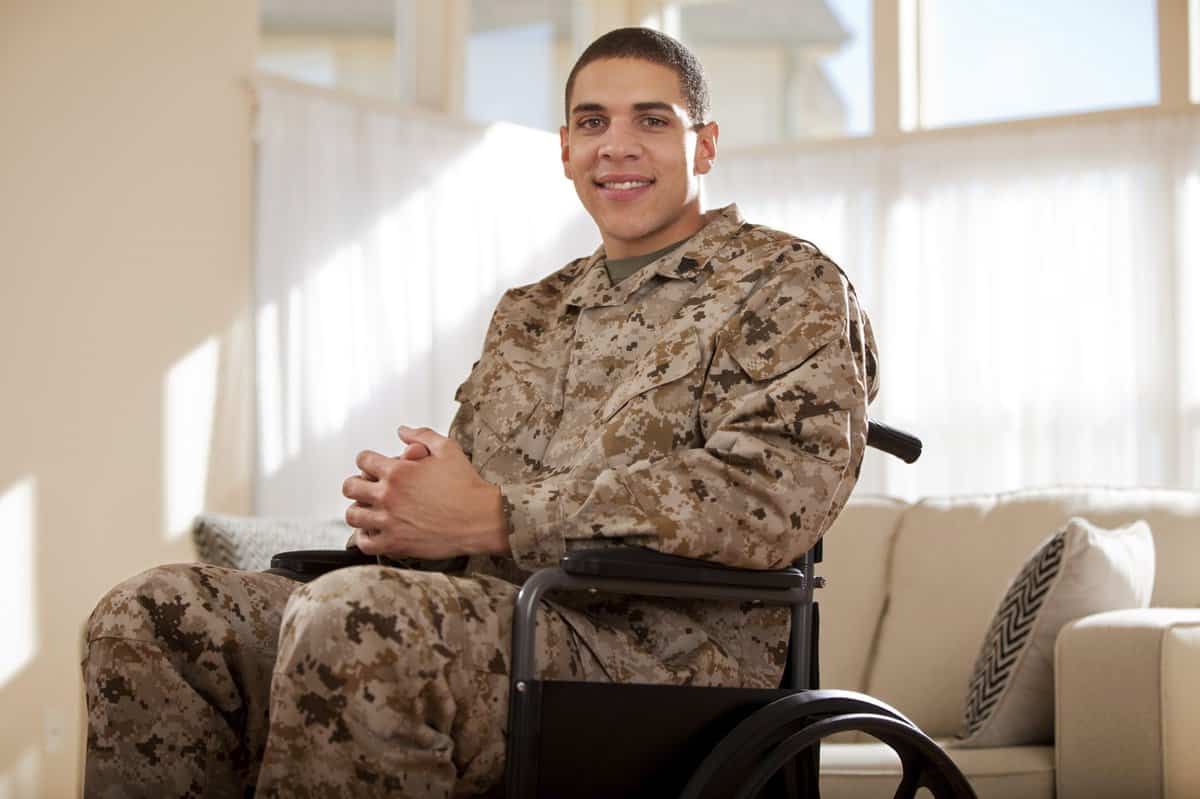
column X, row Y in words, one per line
column 655, row 47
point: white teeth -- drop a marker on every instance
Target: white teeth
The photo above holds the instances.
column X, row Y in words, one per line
column 628, row 184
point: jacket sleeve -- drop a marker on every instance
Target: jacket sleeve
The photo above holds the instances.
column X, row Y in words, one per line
column 462, row 426
column 783, row 416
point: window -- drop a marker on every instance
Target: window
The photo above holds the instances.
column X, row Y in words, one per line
column 985, row 60
column 327, row 45
column 513, row 70
column 784, row 70
column 779, row 70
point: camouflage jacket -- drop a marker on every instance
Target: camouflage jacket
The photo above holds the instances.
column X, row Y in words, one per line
column 712, row 405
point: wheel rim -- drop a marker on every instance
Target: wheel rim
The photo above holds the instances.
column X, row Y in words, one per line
column 785, row 728
column 924, row 763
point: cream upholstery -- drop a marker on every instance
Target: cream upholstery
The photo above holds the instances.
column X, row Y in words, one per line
column 946, row 562
column 856, row 770
column 856, row 555
column 1149, row 718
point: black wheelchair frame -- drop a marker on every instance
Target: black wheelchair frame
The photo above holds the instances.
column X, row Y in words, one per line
column 592, row 740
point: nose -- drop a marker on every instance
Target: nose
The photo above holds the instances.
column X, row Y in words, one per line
column 620, row 143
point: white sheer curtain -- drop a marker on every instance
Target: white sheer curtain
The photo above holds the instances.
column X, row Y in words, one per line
column 384, row 240
column 1033, row 293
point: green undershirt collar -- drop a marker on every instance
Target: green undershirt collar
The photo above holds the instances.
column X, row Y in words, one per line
column 622, row 268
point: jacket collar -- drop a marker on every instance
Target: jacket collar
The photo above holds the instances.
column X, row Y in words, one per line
column 595, row 289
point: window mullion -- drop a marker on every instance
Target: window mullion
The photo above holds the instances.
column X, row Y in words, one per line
column 885, row 46
column 1173, row 66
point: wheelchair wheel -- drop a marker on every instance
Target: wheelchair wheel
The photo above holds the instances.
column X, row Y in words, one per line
column 768, row 743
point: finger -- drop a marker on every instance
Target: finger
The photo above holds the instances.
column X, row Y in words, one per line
column 365, row 518
column 366, row 492
column 434, row 442
column 415, row 452
column 372, row 463
column 367, row 543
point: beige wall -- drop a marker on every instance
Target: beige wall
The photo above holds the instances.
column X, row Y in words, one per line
column 125, row 245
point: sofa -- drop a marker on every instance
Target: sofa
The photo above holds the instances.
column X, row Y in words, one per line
column 910, row 589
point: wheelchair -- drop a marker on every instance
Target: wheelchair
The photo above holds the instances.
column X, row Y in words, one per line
column 582, row 740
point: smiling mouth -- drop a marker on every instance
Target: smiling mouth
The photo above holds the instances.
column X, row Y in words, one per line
column 623, row 185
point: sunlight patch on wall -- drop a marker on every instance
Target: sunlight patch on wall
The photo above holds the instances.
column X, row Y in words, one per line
column 189, row 399
column 22, row 780
column 17, row 526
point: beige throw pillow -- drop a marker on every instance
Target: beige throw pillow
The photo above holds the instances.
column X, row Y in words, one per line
column 1080, row 570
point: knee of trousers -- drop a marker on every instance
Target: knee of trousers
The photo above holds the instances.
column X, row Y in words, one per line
column 352, row 618
column 152, row 606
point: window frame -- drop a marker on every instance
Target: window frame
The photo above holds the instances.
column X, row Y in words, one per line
column 897, row 71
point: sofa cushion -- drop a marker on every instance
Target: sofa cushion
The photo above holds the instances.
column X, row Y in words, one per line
column 1080, row 570
column 862, row 770
column 952, row 558
column 857, row 547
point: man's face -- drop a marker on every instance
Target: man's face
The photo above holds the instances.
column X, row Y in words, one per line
column 631, row 150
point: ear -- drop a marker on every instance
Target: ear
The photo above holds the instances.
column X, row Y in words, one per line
column 565, row 152
column 706, row 147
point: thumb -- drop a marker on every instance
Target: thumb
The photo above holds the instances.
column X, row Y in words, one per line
column 424, row 437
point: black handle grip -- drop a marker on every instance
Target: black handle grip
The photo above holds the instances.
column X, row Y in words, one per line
column 903, row 445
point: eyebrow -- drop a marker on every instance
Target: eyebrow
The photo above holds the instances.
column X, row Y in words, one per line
column 653, row 105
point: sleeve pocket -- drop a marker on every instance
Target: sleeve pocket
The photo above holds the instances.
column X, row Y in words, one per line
column 670, row 359
column 765, row 355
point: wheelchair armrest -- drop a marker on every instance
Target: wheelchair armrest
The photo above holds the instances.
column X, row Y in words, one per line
column 637, row 563
column 633, row 570
column 308, row 564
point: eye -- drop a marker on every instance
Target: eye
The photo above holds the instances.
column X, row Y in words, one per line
column 590, row 123
column 655, row 122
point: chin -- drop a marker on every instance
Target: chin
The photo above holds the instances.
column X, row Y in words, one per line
column 631, row 225
column 631, row 236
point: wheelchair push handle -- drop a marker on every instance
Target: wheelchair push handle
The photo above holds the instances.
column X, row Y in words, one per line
column 904, row 446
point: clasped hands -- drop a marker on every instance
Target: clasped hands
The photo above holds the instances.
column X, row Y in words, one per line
column 429, row 502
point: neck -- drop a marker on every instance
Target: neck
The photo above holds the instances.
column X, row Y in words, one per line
column 690, row 221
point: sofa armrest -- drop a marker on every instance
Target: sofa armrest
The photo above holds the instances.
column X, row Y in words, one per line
column 1127, row 704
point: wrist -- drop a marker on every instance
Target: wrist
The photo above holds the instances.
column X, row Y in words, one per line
column 495, row 528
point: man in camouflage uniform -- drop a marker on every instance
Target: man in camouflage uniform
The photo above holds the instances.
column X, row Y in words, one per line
column 697, row 386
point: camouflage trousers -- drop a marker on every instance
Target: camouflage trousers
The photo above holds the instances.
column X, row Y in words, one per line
column 369, row 681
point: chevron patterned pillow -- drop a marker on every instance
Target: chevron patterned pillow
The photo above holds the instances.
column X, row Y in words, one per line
column 248, row 542
column 1080, row 570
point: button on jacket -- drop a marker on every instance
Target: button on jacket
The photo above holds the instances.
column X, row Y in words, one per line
column 712, row 405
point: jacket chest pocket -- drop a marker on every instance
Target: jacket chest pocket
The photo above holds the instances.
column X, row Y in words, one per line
column 511, row 411
column 654, row 411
